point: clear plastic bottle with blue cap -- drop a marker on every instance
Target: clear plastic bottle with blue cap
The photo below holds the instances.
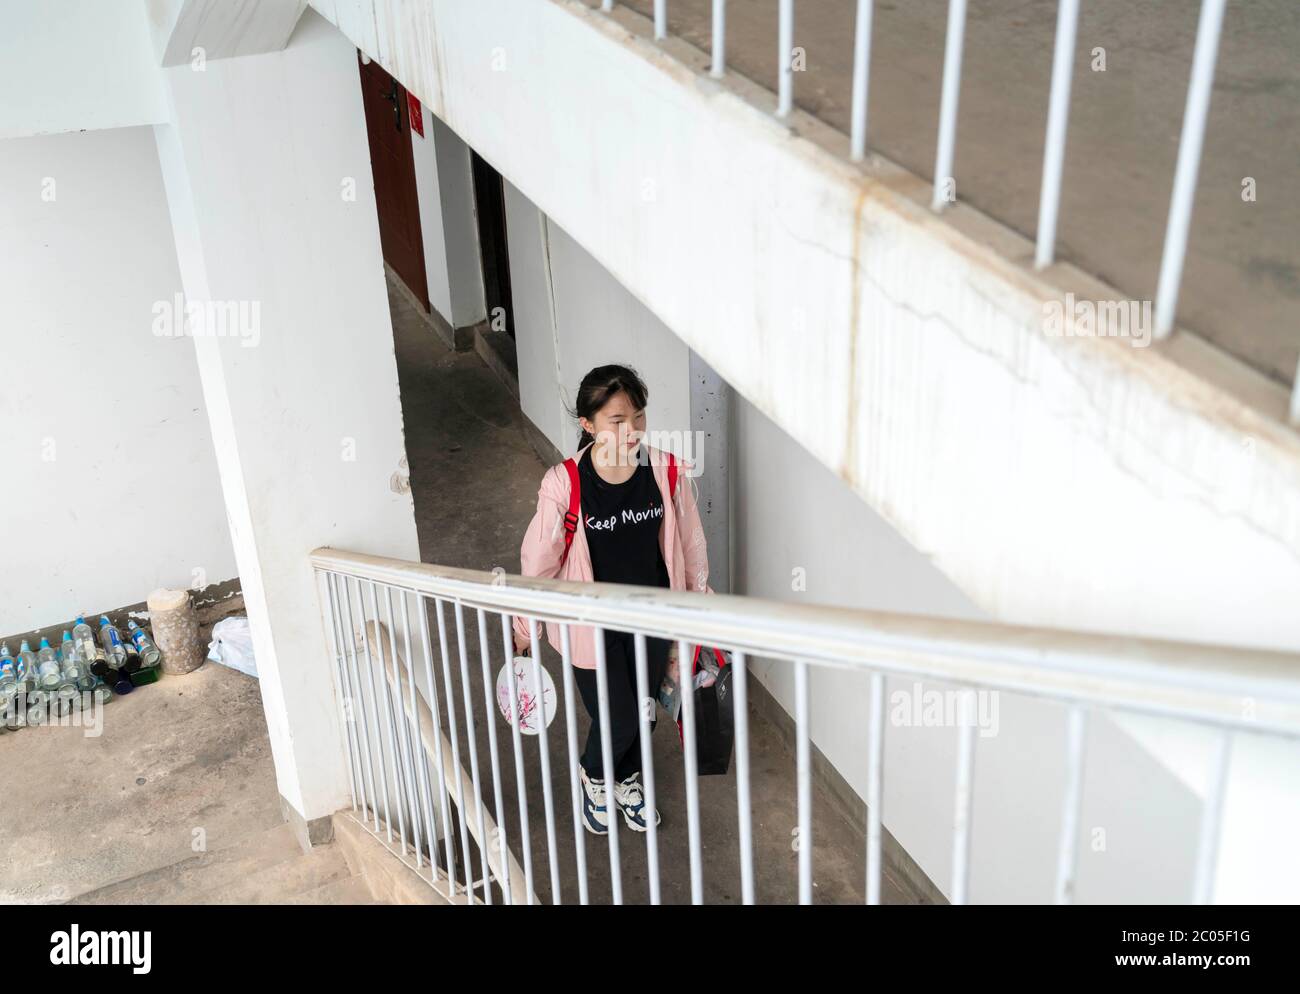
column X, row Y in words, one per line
column 8, row 686
column 111, row 639
column 8, row 671
column 70, row 658
column 26, row 666
column 87, row 647
column 75, row 668
column 150, row 654
column 47, row 666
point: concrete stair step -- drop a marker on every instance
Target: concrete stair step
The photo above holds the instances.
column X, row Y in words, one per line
column 279, row 882
column 177, row 883
column 345, row 890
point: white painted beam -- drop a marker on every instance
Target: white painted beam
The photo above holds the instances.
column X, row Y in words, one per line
column 190, row 32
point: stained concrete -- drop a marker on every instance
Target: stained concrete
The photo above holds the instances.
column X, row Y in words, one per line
column 1241, row 284
column 179, row 779
column 81, row 811
column 474, row 477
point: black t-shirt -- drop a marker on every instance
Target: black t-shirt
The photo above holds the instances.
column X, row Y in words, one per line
column 622, row 522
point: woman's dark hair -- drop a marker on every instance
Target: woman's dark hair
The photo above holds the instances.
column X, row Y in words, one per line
column 599, row 386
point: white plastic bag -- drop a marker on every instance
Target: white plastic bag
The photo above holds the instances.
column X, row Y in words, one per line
column 232, row 645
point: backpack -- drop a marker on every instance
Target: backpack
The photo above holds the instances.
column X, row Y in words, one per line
column 575, row 499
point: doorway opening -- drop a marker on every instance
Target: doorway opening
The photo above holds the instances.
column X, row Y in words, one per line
column 490, row 209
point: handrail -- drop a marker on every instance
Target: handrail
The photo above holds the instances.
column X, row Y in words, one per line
column 1230, row 687
column 422, row 718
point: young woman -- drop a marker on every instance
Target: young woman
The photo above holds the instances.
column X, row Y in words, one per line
column 628, row 531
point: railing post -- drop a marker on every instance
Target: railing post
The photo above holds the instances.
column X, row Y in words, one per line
column 607, row 766
column 1295, row 397
column 740, row 675
column 544, row 749
column 516, row 737
column 1207, row 852
column 645, row 711
column 875, row 782
column 803, row 773
column 575, row 785
column 685, row 666
column 472, row 738
column 785, row 65
column 861, row 80
column 963, row 802
column 948, row 108
column 1058, row 115
column 342, row 685
column 718, row 66
column 1189, row 162
column 422, row 768
column 1071, row 805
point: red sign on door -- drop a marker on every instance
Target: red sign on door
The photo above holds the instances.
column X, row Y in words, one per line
column 414, row 113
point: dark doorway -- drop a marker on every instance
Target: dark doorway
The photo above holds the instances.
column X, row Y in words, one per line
column 393, row 165
column 490, row 208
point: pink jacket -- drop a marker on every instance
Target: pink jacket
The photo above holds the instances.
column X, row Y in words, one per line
column 681, row 540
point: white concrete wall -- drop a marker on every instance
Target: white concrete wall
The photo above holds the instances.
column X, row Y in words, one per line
column 448, row 227
column 276, row 206
column 795, row 520
column 795, row 524
column 460, row 226
column 432, row 234
column 76, row 65
column 111, row 486
column 571, row 316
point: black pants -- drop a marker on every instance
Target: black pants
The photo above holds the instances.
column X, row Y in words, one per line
column 624, row 710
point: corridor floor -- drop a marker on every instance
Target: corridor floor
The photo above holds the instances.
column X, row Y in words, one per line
column 474, row 477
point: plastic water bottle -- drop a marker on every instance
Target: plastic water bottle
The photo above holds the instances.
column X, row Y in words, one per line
column 74, row 667
column 47, row 666
column 132, row 663
column 8, row 671
column 150, row 654
column 87, row 647
column 26, row 665
column 111, row 639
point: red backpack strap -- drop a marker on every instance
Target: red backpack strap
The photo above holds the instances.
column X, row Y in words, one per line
column 672, row 476
column 575, row 505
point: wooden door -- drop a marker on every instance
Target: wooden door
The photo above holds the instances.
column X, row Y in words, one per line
column 393, row 165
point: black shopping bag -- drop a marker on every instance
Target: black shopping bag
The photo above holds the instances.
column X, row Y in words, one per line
column 715, row 720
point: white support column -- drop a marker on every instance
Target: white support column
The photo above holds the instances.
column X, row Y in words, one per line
column 711, row 421
column 267, row 169
column 449, row 225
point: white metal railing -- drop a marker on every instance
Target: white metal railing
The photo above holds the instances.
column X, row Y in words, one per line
column 1183, row 192
column 399, row 756
column 1189, row 149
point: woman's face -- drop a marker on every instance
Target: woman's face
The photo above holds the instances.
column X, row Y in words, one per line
column 618, row 427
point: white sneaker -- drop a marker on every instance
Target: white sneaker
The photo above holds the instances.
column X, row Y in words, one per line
column 628, row 796
column 595, row 818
